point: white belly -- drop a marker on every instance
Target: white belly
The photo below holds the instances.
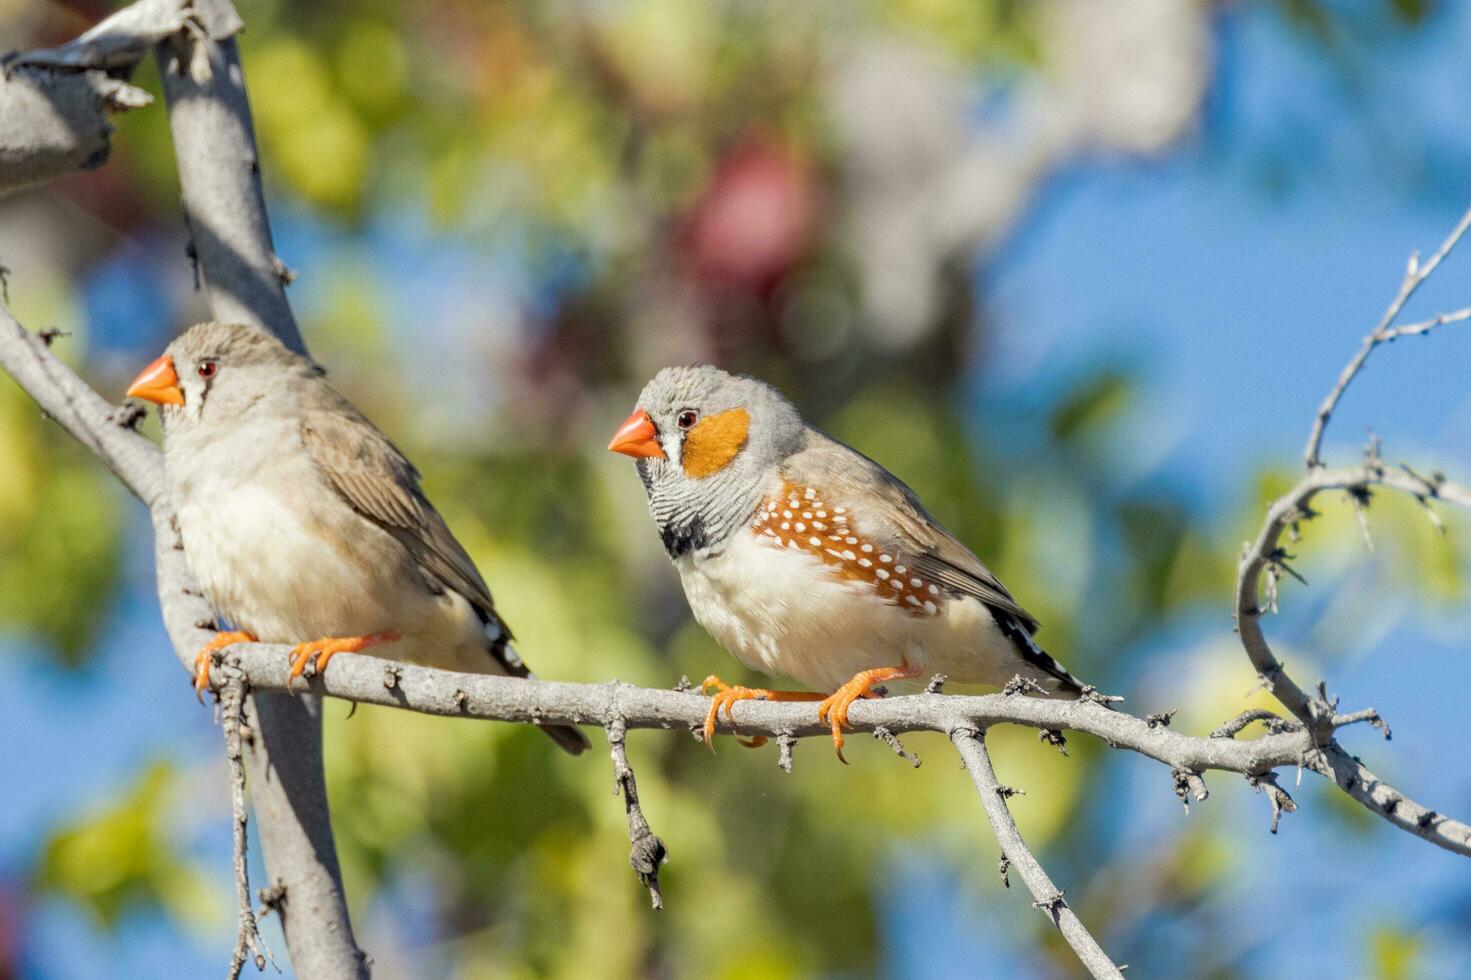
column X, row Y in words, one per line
column 781, row 611
column 277, row 570
column 268, row 567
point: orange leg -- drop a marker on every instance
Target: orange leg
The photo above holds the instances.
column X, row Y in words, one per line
column 318, row 652
column 206, row 655
column 726, row 696
column 834, row 709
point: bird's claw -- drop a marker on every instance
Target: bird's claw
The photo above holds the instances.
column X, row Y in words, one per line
column 727, row 695
column 834, row 708
column 204, row 659
column 316, row 653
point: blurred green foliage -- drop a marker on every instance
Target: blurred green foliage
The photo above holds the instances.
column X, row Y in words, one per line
column 125, row 856
column 60, row 522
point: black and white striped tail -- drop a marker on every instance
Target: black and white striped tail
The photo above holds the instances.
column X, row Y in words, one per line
column 1067, row 685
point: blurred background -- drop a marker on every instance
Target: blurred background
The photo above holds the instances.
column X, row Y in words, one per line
column 1079, row 272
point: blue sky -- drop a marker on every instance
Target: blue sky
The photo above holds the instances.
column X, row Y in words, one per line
column 1236, row 275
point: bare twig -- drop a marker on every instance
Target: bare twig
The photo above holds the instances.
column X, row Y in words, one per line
column 648, row 851
column 248, row 942
column 1366, row 714
column 892, row 741
column 1318, row 714
column 1280, row 515
column 1415, row 274
column 1274, row 722
column 1048, row 898
column 1425, row 326
column 1277, row 796
column 360, row 678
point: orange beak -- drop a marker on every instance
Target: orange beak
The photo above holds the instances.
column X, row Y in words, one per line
column 635, row 437
column 158, row 383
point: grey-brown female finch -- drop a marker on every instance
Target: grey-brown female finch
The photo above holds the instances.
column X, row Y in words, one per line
column 303, row 524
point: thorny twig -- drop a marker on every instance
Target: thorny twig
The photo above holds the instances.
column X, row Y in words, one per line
column 1416, row 273
column 248, row 942
column 1047, row 897
column 1274, row 722
column 1277, row 796
column 892, row 741
column 1318, row 714
column 648, row 851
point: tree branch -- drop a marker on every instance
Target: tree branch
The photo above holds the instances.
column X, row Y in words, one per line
column 1265, row 556
column 219, row 174
column 214, row 143
column 249, row 946
column 647, row 849
column 55, row 103
column 1415, row 275
column 358, row 677
column 54, row 122
column 1047, row 897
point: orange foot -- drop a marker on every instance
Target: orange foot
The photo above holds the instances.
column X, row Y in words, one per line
column 726, row 696
column 206, row 655
column 318, row 652
column 834, row 709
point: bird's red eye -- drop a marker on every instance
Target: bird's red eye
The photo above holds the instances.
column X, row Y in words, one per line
column 208, row 369
column 687, row 418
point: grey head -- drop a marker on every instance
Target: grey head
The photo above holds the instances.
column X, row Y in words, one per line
column 217, row 373
column 709, row 445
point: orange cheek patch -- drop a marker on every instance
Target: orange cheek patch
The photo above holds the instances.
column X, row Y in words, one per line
column 714, row 442
column 800, row 519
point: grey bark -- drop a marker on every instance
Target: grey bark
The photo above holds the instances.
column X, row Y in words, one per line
column 219, row 176
column 1046, row 897
column 55, row 122
column 53, row 109
column 55, row 103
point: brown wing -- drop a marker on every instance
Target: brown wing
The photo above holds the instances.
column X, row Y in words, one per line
column 891, row 513
column 383, row 486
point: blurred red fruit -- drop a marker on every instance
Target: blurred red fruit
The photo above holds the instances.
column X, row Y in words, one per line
column 754, row 220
